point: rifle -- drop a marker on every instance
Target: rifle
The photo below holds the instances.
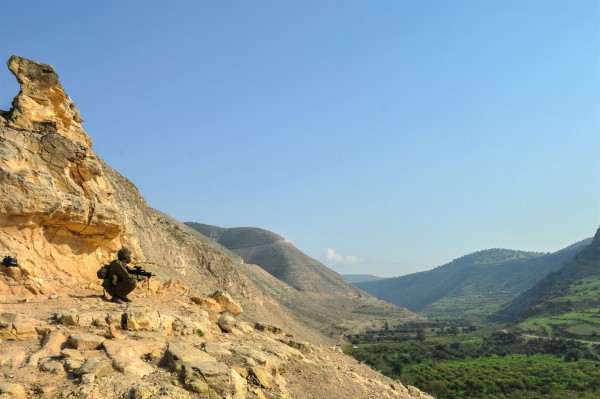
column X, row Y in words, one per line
column 139, row 271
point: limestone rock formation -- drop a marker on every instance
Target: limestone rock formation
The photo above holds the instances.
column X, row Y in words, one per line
column 56, row 205
column 42, row 105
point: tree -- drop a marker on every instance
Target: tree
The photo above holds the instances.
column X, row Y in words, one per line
column 420, row 335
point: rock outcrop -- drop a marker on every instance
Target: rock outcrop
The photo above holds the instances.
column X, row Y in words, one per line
column 98, row 352
column 64, row 213
column 42, row 105
column 57, row 208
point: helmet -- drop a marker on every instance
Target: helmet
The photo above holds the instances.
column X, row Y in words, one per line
column 123, row 254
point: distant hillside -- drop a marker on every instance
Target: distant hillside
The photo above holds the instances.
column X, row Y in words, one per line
column 278, row 257
column 237, row 237
column 566, row 301
column 333, row 298
column 360, row 278
column 472, row 286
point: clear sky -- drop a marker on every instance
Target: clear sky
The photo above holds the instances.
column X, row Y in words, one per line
column 381, row 137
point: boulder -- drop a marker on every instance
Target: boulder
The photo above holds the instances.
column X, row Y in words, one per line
column 227, row 303
column 142, row 392
column 207, row 303
column 199, row 371
column 51, row 346
column 24, row 331
column 68, row 317
column 213, row 348
column 262, row 377
column 94, row 366
column 140, row 317
column 126, row 355
column 74, row 354
column 227, row 323
column 180, row 353
column 86, row 341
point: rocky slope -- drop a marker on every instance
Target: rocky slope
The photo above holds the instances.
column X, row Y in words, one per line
column 63, row 213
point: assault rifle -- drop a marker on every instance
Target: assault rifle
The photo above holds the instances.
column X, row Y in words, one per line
column 139, row 271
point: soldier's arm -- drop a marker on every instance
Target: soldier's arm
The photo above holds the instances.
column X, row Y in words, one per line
column 120, row 271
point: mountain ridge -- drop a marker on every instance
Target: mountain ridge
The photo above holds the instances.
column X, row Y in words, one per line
column 479, row 282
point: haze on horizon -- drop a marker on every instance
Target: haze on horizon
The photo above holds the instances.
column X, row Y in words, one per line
column 379, row 137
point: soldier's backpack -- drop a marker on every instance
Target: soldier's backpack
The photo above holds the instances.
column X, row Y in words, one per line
column 9, row 261
column 102, row 273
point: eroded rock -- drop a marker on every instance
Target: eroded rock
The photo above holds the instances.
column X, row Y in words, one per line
column 227, row 303
column 42, row 105
column 86, row 341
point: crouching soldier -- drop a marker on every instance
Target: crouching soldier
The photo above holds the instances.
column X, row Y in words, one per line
column 119, row 280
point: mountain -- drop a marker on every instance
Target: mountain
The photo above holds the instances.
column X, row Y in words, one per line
column 566, row 302
column 307, row 288
column 278, row 257
column 360, row 278
column 205, row 326
column 472, row 286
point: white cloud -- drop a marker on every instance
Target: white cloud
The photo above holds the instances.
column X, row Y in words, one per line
column 331, row 256
column 351, row 259
column 334, row 257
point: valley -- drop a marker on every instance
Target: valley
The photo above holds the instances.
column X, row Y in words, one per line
column 542, row 342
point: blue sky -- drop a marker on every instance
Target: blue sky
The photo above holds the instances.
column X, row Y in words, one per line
column 381, row 137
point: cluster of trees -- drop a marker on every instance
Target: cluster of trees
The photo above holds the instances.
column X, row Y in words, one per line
column 409, row 331
column 513, row 377
column 501, row 364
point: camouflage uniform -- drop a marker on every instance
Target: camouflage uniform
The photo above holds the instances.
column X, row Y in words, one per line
column 119, row 281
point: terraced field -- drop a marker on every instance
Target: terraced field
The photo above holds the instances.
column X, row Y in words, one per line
column 468, row 306
column 579, row 316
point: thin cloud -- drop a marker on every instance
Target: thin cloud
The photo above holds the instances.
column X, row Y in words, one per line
column 332, row 256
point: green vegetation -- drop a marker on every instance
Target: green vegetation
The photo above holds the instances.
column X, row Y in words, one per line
column 571, row 311
column 473, row 286
column 552, row 349
column 514, row 376
column 461, row 360
column 582, row 324
column 574, row 288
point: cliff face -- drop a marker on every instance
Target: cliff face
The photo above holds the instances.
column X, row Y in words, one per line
column 64, row 213
column 57, row 209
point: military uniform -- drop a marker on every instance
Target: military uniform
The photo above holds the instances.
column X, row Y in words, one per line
column 119, row 281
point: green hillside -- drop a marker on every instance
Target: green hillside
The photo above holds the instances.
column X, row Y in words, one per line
column 566, row 302
column 472, row 286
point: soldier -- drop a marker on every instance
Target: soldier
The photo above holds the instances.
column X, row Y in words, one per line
column 119, row 281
